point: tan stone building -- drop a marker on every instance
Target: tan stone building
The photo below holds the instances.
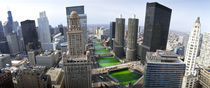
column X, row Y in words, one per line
column 57, row 77
column 204, row 78
column 77, row 67
column 33, row 78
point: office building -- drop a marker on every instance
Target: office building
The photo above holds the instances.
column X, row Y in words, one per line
column 112, row 33
column 47, row 58
column 44, row 31
column 4, row 60
column 191, row 54
column 102, row 33
column 3, row 41
column 163, row 70
column 30, row 36
column 2, row 36
column 4, row 47
column 6, row 79
column 77, row 67
column 9, row 24
column 119, row 37
column 32, row 57
column 13, row 43
column 33, row 78
column 83, row 18
column 156, row 28
column 204, row 58
column 131, row 51
column 57, row 77
column 204, row 78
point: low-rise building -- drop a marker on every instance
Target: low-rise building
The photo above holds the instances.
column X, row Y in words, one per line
column 47, row 58
column 6, row 79
column 57, row 77
column 4, row 59
column 34, row 77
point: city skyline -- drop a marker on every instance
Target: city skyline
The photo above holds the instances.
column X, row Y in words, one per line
column 106, row 11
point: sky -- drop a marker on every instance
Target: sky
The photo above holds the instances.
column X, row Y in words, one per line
column 184, row 12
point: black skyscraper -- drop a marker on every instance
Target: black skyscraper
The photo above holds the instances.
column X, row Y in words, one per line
column 156, row 27
column 112, row 33
column 29, row 34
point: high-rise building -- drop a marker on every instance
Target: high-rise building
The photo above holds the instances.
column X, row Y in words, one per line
column 112, row 33
column 32, row 57
column 83, row 18
column 9, row 24
column 156, row 27
column 44, row 31
column 131, row 51
column 77, row 67
column 4, row 60
column 6, row 79
column 3, row 41
column 191, row 55
column 4, row 47
column 204, row 58
column 119, row 37
column 33, row 78
column 204, row 78
column 185, row 41
column 30, row 36
column 163, row 70
column 2, row 36
column 13, row 43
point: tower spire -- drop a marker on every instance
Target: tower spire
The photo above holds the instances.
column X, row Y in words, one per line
column 198, row 20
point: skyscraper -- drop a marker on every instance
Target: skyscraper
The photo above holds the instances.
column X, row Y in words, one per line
column 163, row 70
column 191, row 55
column 9, row 24
column 119, row 37
column 112, row 33
column 29, row 34
column 77, row 67
column 132, row 39
column 13, row 43
column 204, row 58
column 156, row 27
column 2, row 36
column 83, row 18
column 44, row 31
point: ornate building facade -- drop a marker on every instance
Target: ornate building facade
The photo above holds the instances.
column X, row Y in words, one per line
column 77, row 66
column 191, row 55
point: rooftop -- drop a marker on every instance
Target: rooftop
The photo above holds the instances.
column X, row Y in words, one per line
column 4, row 55
column 54, row 73
column 163, row 57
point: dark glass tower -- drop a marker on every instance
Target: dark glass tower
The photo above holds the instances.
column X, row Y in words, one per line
column 112, row 33
column 156, row 26
column 29, row 34
column 9, row 24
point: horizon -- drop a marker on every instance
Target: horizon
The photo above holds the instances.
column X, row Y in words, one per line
column 105, row 11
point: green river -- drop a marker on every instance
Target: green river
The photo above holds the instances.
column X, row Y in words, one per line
column 123, row 76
